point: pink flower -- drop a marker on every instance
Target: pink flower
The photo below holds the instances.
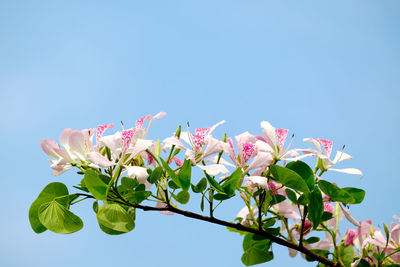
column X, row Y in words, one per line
column 274, row 141
column 350, row 237
column 325, row 153
column 203, row 145
column 247, row 150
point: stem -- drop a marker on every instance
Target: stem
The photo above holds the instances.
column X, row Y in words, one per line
column 211, row 199
column 240, row 227
column 237, row 226
column 154, row 157
column 303, row 220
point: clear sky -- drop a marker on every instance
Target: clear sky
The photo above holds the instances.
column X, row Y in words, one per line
column 323, row 69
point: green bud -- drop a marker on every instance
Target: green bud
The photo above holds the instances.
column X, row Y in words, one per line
column 157, row 148
column 178, row 132
column 224, row 138
column 387, row 232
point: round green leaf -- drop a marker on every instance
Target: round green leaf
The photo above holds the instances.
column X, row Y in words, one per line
column 183, row 197
column 115, row 217
column 289, row 178
column 58, row 219
column 48, row 194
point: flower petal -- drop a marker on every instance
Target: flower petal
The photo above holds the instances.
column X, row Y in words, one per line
column 214, row 169
column 99, row 160
column 173, row 140
column 348, row 171
column 139, row 173
column 49, row 147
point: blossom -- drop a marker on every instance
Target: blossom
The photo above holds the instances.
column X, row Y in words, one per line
column 274, row 141
column 203, row 144
column 325, row 153
column 247, row 150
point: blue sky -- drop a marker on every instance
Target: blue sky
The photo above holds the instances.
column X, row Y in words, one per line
column 319, row 68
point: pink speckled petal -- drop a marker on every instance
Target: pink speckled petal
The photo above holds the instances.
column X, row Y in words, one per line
column 281, row 135
column 126, row 137
column 327, row 146
column 314, row 143
column 139, row 122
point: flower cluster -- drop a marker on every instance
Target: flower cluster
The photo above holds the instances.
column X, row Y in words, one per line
column 283, row 197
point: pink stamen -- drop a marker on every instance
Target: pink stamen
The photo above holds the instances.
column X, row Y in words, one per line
column 100, row 131
column 139, row 123
column 247, row 152
column 327, row 146
column 281, row 134
column 126, row 138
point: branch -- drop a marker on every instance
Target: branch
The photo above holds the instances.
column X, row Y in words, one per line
column 240, row 227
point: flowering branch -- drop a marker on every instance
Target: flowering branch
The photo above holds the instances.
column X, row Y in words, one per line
column 124, row 170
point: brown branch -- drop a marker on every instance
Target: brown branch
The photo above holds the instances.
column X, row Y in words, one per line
column 236, row 226
column 240, row 227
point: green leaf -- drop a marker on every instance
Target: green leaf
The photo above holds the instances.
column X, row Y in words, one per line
column 183, row 197
column 171, row 173
column 95, row 206
column 259, row 241
column 49, row 193
column 155, row 175
column 363, row 263
column 214, row 184
column 276, row 199
column 316, row 207
column 173, row 185
column 201, row 186
column 254, row 256
column 231, row 183
column 185, row 174
column 95, row 185
column 321, row 252
column 289, row 178
column 136, row 197
column 347, row 195
column 129, row 182
column 58, row 219
column 357, row 194
column 326, row 216
column 311, row 240
column 221, row 197
column 346, row 255
column 291, row 195
column 302, row 169
column 234, row 230
column 116, row 218
column 256, row 250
